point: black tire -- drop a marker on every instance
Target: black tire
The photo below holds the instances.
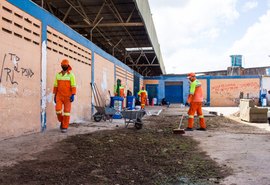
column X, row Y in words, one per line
column 97, row 117
column 138, row 125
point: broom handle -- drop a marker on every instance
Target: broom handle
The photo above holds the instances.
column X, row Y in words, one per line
column 181, row 121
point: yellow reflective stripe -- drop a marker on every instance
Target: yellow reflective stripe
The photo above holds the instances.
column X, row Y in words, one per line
column 190, row 116
column 55, row 82
column 72, row 80
column 201, row 116
column 66, row 113
column 69, row 77
column 193, row 86
column 141, row 91
column 59, row 112
column 61, row 77
column 66, row 76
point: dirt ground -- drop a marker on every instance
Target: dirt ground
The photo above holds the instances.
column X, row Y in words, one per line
column 227, row 153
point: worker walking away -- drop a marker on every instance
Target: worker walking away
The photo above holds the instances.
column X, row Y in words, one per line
column 143, row 95
column 64, row 92
column 195, row 99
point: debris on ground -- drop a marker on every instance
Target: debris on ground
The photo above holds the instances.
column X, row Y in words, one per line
column 152, row 155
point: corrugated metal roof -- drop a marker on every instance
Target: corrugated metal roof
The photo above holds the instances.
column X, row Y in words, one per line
column 114, row 26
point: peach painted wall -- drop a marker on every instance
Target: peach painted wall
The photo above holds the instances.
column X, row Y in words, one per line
column 60, row 47
column 130, row 81
column 126, row 78
column 20, row 57
column 141, row 83
column 121, row 74
column 204, row 87
column 104, row 77
column 225, row 92
column 150, row 82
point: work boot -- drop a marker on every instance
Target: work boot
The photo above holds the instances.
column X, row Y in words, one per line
column 188, row 129
column 61, row 126
column 201, row 129
column 63, row 130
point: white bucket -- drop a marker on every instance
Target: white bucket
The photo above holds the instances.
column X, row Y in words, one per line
column 264, row 102
column 137, row 107
column 155, row 101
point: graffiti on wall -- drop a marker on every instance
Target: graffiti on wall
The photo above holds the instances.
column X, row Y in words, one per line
column 234, row 91
column 11, row 68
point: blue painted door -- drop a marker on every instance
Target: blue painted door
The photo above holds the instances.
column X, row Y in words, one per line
column 152, row 90
column 174, row 92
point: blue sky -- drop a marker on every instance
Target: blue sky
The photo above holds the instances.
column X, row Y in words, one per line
column 200, row 35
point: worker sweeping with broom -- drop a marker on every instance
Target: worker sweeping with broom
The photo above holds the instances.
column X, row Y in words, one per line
column 195, row 99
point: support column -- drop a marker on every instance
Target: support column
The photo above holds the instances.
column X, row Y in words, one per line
column 43, row 76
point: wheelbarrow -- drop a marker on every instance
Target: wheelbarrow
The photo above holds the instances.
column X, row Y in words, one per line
column 133, row 116
column 105, row 113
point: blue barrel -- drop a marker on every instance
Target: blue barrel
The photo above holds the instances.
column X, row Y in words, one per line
column 130, row 102
column 117, row 104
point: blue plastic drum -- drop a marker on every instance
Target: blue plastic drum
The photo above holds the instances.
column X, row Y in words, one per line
column 130, row 102
column 117, row 104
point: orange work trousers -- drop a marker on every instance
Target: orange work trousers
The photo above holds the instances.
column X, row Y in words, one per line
column 195, row 107
column 143, row 102
column 65, row 116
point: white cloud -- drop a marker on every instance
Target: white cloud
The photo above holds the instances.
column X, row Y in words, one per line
column 183, row 27
column 213, row 33
column 249, row 6
column 268, row 3
column 196, row 60
column 255, row 44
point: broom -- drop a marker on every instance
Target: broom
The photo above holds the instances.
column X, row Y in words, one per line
column 179, row 130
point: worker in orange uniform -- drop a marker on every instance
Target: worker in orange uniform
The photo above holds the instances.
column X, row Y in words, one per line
column 195, row 99
column 64, row 92
column 143, row 95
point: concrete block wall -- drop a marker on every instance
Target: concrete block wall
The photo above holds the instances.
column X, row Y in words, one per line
column 59, row 47
column 204, row 87
column 33, row 44
column 20, row 36
column 126, row 77
column 226, row 92
column 104, row 77
column 218, row 90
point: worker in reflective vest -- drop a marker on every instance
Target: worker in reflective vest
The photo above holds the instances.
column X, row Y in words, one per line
column 195, row 99
column 119, row 89
column 143, row 95
column 64, row 92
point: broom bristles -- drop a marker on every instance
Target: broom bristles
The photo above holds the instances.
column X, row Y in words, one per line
column 178, row 131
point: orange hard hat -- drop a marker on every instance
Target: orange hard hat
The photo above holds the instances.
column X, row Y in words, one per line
column 64, row 62
column 191, row 75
